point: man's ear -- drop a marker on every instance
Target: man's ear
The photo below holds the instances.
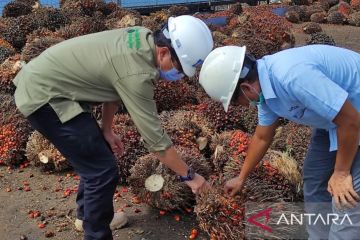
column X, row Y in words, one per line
column 163, row 52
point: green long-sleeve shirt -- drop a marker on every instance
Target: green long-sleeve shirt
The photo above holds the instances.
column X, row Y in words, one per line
column 117, row 65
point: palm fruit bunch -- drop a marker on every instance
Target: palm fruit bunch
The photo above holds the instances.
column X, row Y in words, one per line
column 224, row 217
column 6, row 50
column 237, row 117
column 300, row 10
column 172, row 95
column 150, row 23
column 342, row 7
column 17, row 29
column 323, row 4
column 277, row 169
column 354, row 19
column 187, row 128
column 14, row 131
column 82, row 26
column 336, row 18
column 133, row 146
column 8, row 70
column 270, row 26
column 312, row 28
column 160, row 16
column 332, row 2
column 227, row 145
column 37, row 46
column 293, row 139
column 50, row 18
column 44, row 154
column 87, row 7
column 109, row 8
column 129, row 20
column 158, row 186
column 320, row 38
column 319, row 17
column 355, row 4
column 292, row 16
column 177, row 10
column 16, row 9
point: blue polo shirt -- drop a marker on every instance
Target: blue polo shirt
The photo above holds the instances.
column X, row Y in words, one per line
column 309, row 85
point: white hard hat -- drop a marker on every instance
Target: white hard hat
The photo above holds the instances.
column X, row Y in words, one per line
column 220, row 73
column 191, row 40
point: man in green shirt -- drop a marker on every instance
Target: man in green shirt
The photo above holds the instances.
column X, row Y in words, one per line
column 118, row 66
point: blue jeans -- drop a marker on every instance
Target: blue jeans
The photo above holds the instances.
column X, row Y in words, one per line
column 318, row 168
column 81, row 141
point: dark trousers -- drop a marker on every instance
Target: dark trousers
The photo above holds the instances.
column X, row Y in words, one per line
column 81, row 141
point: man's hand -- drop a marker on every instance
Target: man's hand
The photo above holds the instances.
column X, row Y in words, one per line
column 233, row 186
column 198, row 184
column 340, row 186
column 115, row 142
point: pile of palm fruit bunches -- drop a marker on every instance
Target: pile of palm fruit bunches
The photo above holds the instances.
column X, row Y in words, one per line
column 212, row 142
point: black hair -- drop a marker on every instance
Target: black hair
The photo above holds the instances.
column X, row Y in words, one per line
column 161, row 40
column 251, row 76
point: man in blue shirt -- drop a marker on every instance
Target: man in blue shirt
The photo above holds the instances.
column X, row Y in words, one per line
column 315, row 85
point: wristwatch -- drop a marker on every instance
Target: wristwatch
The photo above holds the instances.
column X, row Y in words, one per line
column 190, row 175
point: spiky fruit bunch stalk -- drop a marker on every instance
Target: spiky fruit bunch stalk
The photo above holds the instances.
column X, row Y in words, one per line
column 14, row 131
column 223, row 217
column 187, row 128
column 282, row 179
column 16, row 9
column 320, row 38
column 44, row 154
column 82, row 26
column 236, row 118
column 227, row 145
column 173, row 194
column 172, row 95
column 8, row 70
column 133, row 145
column 37, row 46
column 294, row 139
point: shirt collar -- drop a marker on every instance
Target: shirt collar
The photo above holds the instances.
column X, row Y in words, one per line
column 264, row 79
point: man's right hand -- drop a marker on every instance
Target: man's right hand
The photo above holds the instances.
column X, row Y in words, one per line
column 198, row 184
column 233, row 186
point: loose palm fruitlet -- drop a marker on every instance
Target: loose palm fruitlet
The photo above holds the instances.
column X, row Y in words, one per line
column 227, row 145
column 133, row 145
column 173, row 194
column 14, row 132
column 44, row 154
column 223, row 217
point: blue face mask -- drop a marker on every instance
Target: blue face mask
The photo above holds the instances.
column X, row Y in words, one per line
column 171, row 75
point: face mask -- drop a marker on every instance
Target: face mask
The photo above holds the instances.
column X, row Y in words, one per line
column 171, row 75
column 259, row 101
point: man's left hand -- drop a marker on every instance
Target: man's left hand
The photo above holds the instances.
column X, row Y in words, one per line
column 115, row 142
column 341, row 188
